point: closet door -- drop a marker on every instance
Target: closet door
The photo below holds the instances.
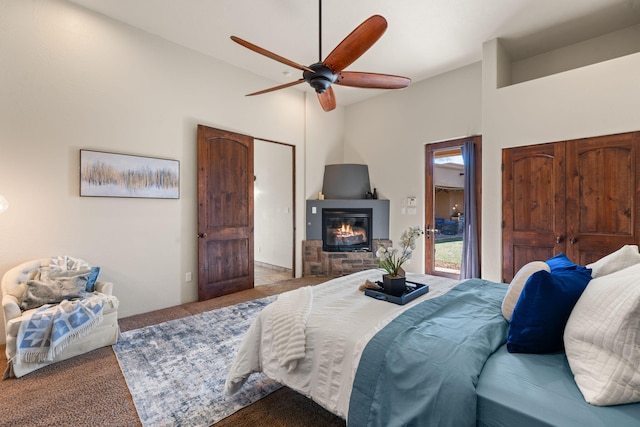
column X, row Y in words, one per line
column 603, row 203
column 533, row 203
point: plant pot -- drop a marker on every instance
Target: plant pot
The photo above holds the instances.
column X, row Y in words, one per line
column 394, row 285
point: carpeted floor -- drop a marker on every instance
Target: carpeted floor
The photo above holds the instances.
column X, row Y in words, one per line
column 89, row 390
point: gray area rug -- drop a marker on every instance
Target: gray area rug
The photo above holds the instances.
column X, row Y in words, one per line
column 176, row 370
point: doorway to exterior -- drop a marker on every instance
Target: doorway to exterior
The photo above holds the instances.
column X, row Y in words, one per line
column 445, row 207
column 448, row 205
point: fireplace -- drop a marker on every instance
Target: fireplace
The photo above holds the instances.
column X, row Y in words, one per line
column 347, row 230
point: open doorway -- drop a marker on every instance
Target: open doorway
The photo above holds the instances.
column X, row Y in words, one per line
column 274, row 212
column 448, row 179
column 448, row 220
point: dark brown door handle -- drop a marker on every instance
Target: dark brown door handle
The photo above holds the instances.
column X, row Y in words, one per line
column 202, row 235
column 573, row 240
column 558, row 239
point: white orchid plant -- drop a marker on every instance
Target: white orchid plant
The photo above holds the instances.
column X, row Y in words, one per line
column 391, row 259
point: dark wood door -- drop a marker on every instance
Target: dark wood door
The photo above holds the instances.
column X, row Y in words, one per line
column 533, row 203
column 580, row 197
column 602, row 195
column 225, row 212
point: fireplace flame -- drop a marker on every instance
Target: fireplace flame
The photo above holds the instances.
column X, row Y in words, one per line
column 346, row 231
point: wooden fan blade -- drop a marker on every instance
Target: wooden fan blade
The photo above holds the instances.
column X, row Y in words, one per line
column 271, row 55
column 372, row 80
column 276, row 88
column 327, row 99
column 356, row 43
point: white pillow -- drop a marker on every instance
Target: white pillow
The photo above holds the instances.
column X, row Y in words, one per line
column 624, row 257
column 516, row 285
column 602, row 339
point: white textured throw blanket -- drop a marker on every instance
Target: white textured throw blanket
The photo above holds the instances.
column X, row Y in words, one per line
column 53, row 327
column 341, row 322
column 290, row 314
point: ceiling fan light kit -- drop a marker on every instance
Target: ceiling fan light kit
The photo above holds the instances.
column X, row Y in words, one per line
column 321, row 75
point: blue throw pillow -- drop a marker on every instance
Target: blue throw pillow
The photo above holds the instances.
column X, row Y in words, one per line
column 93, row 277
column 542, row 311
column 561, row 262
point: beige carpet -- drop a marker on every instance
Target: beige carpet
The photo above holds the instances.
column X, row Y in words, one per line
column 89, row 390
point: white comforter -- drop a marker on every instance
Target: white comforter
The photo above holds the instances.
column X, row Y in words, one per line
column 340, row 323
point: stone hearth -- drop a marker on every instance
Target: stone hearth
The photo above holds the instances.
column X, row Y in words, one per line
column 317, row 262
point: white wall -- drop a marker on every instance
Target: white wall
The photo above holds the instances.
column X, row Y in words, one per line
column 389, row 133
column 598, row 99
column 73, row 79
column 273, row 203
column 325, row 145
column 588, row 52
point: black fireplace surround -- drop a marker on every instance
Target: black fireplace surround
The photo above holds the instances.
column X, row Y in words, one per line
column 346, row 230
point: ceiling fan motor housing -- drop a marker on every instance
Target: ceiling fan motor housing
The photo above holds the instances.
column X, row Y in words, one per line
column 321, row 79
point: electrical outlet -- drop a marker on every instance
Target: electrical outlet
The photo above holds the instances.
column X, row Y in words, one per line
column 188, row 277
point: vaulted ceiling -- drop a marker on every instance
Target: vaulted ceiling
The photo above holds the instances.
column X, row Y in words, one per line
column 424, row 37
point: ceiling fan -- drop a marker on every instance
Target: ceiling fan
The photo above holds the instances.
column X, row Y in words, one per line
column 323, row 74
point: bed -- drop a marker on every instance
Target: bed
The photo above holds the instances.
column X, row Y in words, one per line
column 358, row 358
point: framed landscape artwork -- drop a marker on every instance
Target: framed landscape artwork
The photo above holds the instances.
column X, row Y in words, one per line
column 122, row 175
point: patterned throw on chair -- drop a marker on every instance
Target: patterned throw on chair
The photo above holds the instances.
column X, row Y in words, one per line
column 52, row 327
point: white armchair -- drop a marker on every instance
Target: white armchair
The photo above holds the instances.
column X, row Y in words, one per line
column 14, row 286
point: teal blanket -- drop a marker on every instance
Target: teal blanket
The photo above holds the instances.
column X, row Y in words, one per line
column 422, row 368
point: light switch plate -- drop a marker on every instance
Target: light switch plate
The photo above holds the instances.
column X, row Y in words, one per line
column 411, row 201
